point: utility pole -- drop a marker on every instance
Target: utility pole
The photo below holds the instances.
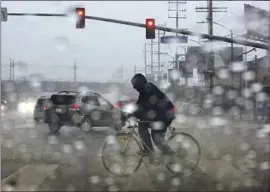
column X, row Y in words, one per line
column 177, row 10
column 159, row 64
column 145, row 60
column 210, row 10
column 10, row 69
column 122, row 74
column 151, row 61
column 135, row 70
column 75, row 72
column 156, row 65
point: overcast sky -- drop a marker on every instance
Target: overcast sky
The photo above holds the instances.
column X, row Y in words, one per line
column 50, row 46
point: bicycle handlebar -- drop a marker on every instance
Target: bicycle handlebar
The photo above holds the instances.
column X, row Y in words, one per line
column 137, row 122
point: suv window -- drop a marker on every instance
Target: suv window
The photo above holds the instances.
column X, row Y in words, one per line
column 91, row 100
column 41, row 101
column 103, row 102
column 63, row 99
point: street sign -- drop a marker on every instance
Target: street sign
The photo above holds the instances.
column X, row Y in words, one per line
column 4, row 14
column 174, row 39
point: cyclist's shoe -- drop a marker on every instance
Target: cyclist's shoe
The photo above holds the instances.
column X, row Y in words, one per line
column 144, row 153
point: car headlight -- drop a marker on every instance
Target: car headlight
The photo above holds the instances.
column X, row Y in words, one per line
column 26, row 107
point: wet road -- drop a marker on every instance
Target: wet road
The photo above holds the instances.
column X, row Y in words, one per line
column 234, row 156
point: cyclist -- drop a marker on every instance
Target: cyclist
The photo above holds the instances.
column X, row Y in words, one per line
column 153, row 106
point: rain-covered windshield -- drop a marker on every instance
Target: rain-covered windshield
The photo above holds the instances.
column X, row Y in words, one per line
column 199, row 122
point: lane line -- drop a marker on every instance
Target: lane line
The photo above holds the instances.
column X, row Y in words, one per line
column 29, row 177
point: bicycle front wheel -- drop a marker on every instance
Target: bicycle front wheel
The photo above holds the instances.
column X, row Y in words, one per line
column 119, row 154
column 188, row 154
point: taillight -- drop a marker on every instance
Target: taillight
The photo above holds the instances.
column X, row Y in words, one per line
column 75, row 107
column 117, row 105
column 45, row 107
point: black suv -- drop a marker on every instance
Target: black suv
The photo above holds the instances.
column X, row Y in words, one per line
column 83, row 110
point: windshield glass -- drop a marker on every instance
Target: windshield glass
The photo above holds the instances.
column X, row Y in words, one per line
column 62, row 99
column 204, row 105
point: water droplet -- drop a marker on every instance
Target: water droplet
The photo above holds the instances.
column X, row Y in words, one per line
column 249, row 75
column 244, row 146
column 235, row 184
column 52, row 140
column 246, row 92
column 8, row 143
column 237, row 67
column 223, row 73
column 218, row 90
column 220, row 186
column 157, row 125
column 71, row 187
column 61, row 43
column 256, row 87
column 181, row 119
column 111, row 139
column 248, row 183
column 176, row 181
column 32, row 133
column 261, row 97
column 96, row 115
column 79, row 145
column 94, row 179
column 264, row 165
column 109, row 181
column 231, row 94
column 227, row 158
column 67, row 148
column 113, row 188
column 161, row 176
column 251, row 154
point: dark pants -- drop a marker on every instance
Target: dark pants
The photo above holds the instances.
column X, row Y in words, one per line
column 157, row 136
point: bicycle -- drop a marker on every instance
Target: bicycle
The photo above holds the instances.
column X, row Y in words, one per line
column 132, row 135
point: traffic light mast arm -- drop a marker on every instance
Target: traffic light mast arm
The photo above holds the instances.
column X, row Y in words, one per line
column 184, row 32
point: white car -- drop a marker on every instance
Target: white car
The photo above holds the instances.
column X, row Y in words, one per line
column 4, row 106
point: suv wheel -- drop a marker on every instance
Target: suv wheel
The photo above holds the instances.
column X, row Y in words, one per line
column 36, row 120
column 86, row 126
column 54, row 127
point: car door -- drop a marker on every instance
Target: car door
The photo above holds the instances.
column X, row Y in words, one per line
column 91, row 108
column 107, row 111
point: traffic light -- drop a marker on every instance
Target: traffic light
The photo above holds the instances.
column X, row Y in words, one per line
column 150, row 28
column 80, row 23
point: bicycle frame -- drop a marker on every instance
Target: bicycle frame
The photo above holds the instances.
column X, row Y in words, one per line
column 133, row 133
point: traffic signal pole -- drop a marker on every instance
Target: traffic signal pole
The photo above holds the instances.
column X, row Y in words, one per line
column 162, row 28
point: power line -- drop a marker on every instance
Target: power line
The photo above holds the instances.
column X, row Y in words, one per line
column 172, row 30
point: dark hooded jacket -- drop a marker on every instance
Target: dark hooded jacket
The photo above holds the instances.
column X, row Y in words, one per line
column 153, row 104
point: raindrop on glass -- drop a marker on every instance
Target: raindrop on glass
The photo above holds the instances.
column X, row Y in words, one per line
column 61, row 43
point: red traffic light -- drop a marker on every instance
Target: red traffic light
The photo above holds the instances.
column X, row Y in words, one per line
column 150, row 28
column 80, row 12
column 80, row 24
column 150, row 23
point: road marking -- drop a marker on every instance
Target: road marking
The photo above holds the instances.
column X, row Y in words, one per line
column 223, row 172
column 29, row 177
column 140, row 180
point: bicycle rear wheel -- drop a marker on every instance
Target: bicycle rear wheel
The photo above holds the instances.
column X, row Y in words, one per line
column 185, row 146
column 123, row 148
